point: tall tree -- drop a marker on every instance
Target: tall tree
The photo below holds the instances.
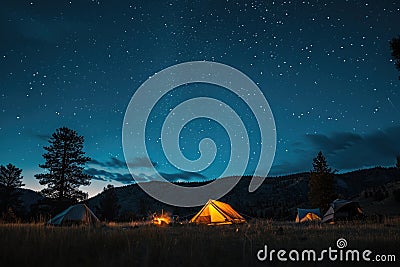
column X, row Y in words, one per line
column 321, row 183
column 398, row 162
column 109, row 207
column 10, row 181
column 64, row 162
column 395, row 46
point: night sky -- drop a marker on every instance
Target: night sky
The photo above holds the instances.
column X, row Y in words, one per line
column 324, row 66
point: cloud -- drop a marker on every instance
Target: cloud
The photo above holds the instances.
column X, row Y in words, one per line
column 117, row 170
column 43, row 137
column 335, row 142
column 352, row 151
column 35, row 134
column 113, row 163
column 183, row 175
column 141, row 162
column 344, row 151
column 125, row 178
column 100, row 175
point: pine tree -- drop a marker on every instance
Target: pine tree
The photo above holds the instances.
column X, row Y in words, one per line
column 10, row 181
column 398, row 162
column 321, row 183
column 109, row 207
column 395, row 46
column 64, row 161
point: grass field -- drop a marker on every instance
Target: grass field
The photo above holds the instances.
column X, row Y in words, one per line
column 185, row 245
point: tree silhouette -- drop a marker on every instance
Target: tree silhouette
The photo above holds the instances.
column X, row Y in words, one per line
column 109, row 207
column 395, row 46
column 10, row 181
column 321, row 183
column 64, row 161
column 398, row 162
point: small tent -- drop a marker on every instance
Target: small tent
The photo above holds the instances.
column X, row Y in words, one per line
column 308, row 215
column 341, row 209
column 77, row 214
column 216, row 212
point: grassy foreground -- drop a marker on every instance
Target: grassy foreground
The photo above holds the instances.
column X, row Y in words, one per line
column 187, row 245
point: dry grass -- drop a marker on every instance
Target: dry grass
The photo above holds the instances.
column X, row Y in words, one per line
column 187, row 245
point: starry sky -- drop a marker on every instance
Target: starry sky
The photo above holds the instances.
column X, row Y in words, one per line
column 324, row 66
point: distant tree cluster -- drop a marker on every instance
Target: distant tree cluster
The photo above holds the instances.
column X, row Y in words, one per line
column 109, row 208
column 10, row 203
column 377, row 193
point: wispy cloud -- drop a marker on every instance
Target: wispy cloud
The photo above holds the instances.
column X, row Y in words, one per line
column 127, row 178
column 352, row 151
column 141, row 162
column 103, row 175
column 117, row 163
column 113, row 163
column 183, row 176
column 344, row 151
column 116, row 170
column 336, row 142
column 38, row 135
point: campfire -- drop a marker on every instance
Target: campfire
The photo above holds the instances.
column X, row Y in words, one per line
column 163, row 219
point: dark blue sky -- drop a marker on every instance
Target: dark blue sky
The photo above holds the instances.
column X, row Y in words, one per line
column 324, row 67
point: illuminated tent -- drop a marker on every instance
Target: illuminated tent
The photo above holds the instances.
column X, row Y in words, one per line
column 341, row 209
column 308, row 215
column 216, row 212
column 77, row 214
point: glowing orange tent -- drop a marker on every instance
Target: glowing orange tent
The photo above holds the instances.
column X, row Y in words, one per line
column 308, row 215
column 216, row 212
